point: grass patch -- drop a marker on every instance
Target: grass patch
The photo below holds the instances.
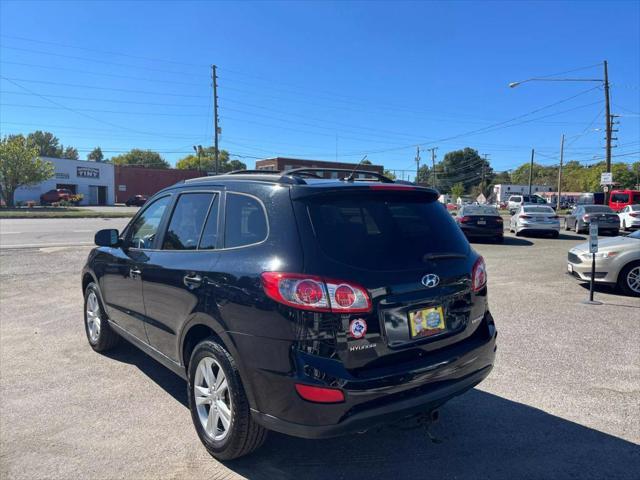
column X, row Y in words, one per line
column 60, row 212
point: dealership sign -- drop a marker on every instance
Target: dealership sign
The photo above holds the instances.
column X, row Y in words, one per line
column 88, row 172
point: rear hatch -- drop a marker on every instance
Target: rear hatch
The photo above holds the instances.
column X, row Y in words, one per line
column 410, row 256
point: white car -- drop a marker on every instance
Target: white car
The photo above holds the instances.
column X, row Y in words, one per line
column 516, row 201
column 535, row 218
column 629, row 217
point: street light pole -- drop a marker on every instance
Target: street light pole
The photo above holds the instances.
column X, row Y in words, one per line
column 607, row 119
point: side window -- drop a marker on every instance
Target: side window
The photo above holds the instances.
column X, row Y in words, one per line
column 209, row 238
column 145, row 227
column 187, row 221
column 245, row 221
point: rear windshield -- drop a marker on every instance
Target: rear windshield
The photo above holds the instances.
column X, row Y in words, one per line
column 384, row 231
column 539, row 210
column 620, row 197
column 597, row 209
column 478, row 210
column 515, row 198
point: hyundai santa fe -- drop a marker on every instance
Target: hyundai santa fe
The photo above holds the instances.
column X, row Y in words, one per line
column 308, row 306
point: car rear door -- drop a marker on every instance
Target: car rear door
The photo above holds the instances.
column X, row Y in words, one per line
column 176, row 285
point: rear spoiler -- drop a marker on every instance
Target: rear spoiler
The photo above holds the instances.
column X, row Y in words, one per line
column 302, row 191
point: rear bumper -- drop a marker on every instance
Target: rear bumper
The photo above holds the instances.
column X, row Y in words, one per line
column 539, row 227
column 431, row 399
column 389, row 395
column 483, row 231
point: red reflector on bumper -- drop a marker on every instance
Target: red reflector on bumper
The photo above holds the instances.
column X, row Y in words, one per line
column 319, row 394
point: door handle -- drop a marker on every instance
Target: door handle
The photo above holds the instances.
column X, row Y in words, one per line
column 192, row 280
column 135, row 272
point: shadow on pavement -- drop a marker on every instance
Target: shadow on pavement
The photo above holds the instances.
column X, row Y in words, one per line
column 568, row 236
column 162, row 376
column 516, row 242
column 480, row 435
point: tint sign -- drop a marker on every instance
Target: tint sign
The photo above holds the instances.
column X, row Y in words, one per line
column 88, row 172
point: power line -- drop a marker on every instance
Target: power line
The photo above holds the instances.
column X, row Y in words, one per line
column 75, row 85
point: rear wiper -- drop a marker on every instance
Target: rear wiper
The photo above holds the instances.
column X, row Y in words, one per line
column 439, row 256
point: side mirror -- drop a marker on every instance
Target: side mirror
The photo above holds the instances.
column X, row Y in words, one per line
column 108, row 237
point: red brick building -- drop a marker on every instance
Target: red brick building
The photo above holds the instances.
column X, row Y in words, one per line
column 283, row 163
column 134, row 180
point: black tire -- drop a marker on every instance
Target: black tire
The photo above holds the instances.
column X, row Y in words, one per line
column 106, row 338
column 623, row 279
column 555, row 234
column 577, row 227
column 566, row 225
column 624, row 226
column 245, row 435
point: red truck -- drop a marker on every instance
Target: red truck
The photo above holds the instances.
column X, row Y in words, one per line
column 55, row 195
column 621, row 198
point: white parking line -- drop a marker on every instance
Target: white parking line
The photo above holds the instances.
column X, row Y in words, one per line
column 10, row 233
column 41, row 245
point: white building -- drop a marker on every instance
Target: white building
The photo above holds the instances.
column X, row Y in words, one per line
column 503, row 191
column 94, row 180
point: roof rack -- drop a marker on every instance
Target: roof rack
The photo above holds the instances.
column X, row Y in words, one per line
column 252, row 172
column 313, row 172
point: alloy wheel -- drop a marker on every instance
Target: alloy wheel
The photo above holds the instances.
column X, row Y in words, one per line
column 212, row 399
column 94, row 319
column 633, row 279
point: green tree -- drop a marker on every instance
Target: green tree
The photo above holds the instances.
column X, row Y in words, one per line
column 464, row 166
column 206, row 163
column 47, row 143
column 70, row 153
column 144, row 158
column 457, row 190
column 96, row 155
column 20, row 165
column 390, row 174
column 424, row 175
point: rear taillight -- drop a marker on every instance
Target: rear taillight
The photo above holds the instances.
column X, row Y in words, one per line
column 634, row 214
column 499, row 220
column 463, row 219
column 478, row 275
column 319, row 394
column 586, row 218
column 309, row 292
column 525, row 217
column 555, row 217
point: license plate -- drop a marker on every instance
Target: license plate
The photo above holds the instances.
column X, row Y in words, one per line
column 482, row 222
column 426, row 322
column 569, row 268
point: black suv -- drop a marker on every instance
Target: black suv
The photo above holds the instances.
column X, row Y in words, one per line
column 308, row 306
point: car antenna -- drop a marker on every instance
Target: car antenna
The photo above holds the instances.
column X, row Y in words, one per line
column 351, row 176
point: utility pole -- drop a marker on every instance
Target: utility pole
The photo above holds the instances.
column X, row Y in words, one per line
column 484, row 166
column 607, row 124
column 214, row 78
column 560, row 172
column 433, row 165
column 417, row 163
column 531, row 171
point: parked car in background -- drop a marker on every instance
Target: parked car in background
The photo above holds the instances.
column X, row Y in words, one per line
column 56, row 195
column 535, row 219
column 617, row 263
column 480, row 221
column 591, row 198
column 621, row 198
column 516, row 201
column 136, row 200
column 580, row 219
column 629, row 217
column 230, row 282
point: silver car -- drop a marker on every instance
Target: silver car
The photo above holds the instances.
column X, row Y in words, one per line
column 617, row 262
column 535, row 218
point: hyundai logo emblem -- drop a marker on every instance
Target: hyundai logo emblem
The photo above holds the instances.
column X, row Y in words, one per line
column 430, row 280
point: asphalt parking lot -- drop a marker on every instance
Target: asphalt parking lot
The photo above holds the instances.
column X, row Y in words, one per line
column 562, row 402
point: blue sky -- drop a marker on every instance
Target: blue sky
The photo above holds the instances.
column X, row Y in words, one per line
column 323, row 80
